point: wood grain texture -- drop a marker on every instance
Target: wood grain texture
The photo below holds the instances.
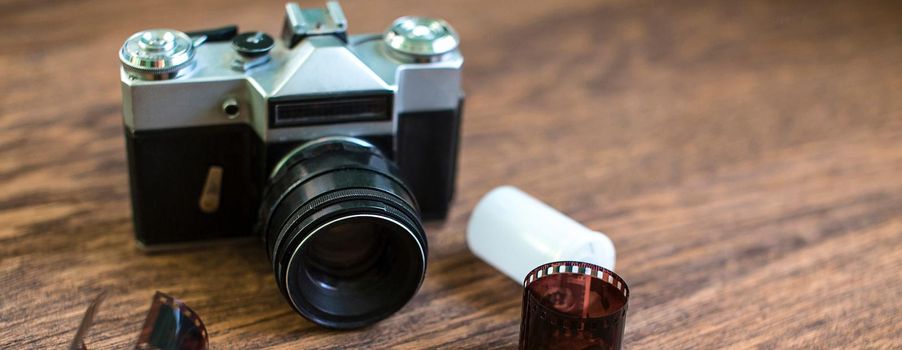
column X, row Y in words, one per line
column 744, row 157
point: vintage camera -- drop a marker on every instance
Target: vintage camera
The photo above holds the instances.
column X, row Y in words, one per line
column 332, row 148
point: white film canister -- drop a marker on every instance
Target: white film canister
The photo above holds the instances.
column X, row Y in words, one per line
column 514, row 232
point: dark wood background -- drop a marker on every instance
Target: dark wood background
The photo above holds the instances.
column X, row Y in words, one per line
column 744, row 157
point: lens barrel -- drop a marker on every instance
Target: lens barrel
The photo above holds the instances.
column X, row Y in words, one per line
column 343, row 233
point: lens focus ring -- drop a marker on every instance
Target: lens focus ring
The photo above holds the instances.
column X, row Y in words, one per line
column 296, row 223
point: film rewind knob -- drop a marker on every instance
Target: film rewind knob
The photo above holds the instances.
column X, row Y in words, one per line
column 157, row 54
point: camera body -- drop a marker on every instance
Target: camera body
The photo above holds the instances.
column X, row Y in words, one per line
column 209, row 115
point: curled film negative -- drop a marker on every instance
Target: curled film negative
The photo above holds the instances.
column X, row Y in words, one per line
column 171, row 325
column 573, row 305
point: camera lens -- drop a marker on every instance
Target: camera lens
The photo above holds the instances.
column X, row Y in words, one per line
column 343, row 233
column 348, row 248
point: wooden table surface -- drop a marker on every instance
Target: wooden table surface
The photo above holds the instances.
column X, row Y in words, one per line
column 745, row 158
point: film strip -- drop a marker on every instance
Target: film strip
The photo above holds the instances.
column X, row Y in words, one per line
column 570, row 304
column 579, row 268
column 172, row 325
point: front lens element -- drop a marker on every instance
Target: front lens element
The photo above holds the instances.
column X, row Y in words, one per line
column 349, row 248
column 381, row 270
